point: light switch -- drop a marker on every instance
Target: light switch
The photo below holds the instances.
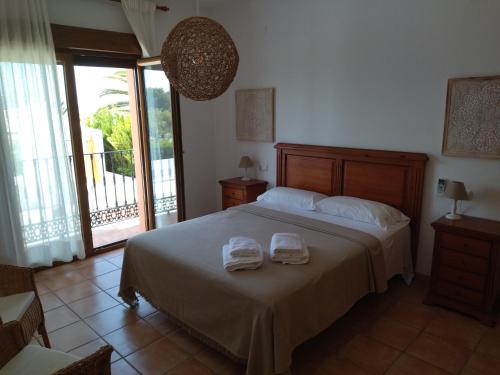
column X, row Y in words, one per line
column 441, row 186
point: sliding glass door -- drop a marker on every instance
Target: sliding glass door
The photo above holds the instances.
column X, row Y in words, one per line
column 124, row 142
column 108, row 128
column 161, row 119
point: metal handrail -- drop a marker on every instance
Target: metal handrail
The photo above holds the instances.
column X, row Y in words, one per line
column 111, row 185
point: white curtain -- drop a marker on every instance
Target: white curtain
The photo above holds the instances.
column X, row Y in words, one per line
column 11, row 243
column 41, row 222
column 141, row 16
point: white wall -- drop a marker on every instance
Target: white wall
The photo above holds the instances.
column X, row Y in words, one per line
column 366, row 74
column 197, row 128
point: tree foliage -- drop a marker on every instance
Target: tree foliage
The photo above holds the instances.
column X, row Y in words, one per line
column 117, row 135
column 120, row 77
column 114, row 122
column 160, row 123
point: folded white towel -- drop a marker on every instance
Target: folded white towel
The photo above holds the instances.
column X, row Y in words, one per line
column 232, row 263
column 287, row 243
column 301, row 258
column 244, row 247
column 289, row 248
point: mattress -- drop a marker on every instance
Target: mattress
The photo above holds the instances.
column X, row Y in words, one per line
column 262, row 315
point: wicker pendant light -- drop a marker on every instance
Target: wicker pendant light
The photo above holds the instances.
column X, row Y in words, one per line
column 199, row 58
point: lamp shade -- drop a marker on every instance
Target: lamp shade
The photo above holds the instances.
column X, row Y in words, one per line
column 456, row 190
column 245, row 162
column 199, row 58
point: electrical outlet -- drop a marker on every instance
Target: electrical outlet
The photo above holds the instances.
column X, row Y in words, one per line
column 441, row 186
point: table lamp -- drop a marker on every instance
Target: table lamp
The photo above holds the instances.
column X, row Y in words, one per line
column 245, row 162
column 455, row 190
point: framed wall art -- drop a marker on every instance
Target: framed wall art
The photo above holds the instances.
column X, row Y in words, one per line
column 255, row 115
column 472, row 122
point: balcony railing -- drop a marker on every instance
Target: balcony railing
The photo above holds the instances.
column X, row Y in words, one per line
column 112, row 192
column 112, row 186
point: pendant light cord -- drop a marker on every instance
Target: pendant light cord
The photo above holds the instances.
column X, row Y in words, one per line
column 197, row 8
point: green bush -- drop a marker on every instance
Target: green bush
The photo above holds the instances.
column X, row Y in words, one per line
column 117, row 135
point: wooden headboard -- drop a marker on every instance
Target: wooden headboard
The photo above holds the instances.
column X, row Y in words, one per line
column 391, row 177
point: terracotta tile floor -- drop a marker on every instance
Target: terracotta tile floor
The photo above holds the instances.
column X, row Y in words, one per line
column 392, row 333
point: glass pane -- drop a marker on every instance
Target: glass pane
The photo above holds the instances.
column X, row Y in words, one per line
column 116, row 209
column 159, row 116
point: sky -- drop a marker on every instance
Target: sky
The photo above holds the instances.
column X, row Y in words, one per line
column 90, row 82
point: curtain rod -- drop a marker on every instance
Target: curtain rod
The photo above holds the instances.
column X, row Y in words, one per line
column 158, row 7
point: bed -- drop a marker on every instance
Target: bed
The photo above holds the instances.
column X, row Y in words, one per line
column 261, row 316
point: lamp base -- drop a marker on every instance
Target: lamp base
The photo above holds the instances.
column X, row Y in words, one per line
column 452, row 216
column 245, row 179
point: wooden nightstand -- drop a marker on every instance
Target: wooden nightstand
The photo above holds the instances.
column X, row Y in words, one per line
column 235, row 191
column 466, row 266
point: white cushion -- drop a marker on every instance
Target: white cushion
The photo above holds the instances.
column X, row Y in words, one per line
column 14, row 306
column 295, row 198
column 34, row 359
column 379, row 214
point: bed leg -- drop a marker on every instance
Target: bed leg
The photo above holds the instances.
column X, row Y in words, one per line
column 129, row 297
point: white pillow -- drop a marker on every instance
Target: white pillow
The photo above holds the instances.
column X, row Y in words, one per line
column 295, row 198
column 363, row 210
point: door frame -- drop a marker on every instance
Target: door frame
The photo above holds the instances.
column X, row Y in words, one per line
column 95, row 47
column 81, row 46
column 69, row 61
column 66, row 60
column 177, row 144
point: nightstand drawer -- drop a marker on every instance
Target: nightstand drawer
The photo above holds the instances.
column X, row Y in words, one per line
column 466, row 266
column 230, row 202
column 233, row 193
column 467, row 279
column 463, row 262
column 460, row 294
column 236, row 191
column 466, row 244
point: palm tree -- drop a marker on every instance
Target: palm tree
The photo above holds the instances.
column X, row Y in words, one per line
column 120, row 105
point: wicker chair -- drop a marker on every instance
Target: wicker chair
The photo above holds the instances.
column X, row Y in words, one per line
column 19, row 301
column 16, row 357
